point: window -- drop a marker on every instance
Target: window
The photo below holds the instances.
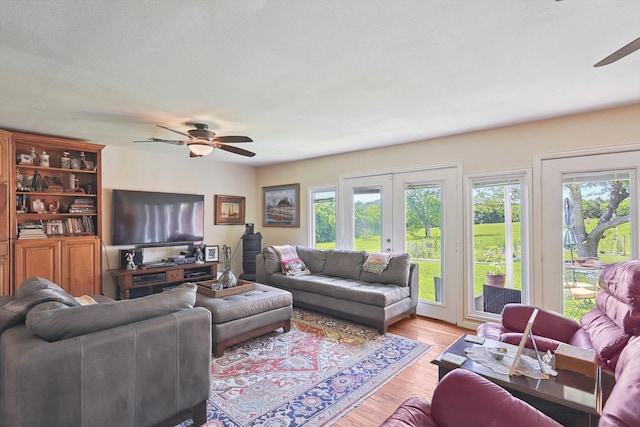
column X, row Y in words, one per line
column 498, row 225
column 596, row 230
column 323, row 221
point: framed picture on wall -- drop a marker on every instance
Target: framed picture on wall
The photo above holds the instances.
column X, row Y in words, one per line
column 212, row 253
column 229, row 210
column 281, row 206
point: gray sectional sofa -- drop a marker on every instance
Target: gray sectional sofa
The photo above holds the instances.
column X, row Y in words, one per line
column 139, row 362
column 338, row 285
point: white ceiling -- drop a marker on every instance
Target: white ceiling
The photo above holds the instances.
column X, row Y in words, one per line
column 307, row 78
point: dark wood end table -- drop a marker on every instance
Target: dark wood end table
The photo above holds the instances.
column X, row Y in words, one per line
column 569, row 398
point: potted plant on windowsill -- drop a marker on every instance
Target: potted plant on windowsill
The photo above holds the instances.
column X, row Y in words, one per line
column 495, row 276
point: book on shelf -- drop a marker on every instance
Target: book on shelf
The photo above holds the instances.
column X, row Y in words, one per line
column 83, row 205
column 31, row 230
column 30, row 225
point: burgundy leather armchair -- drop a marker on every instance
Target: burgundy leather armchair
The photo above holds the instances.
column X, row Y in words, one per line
column 605, row 329
column 463, row 398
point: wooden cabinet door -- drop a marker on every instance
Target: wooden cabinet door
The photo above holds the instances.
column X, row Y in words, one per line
column 5, row 282
column 37, row 257
column 81, row 266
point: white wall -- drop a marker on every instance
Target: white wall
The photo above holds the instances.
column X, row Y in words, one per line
column 131, row 169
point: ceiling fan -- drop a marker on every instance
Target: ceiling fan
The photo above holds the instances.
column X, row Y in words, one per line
column 620, row 53
column 202, row 141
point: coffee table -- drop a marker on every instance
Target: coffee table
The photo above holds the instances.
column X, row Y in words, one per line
column 569, row 398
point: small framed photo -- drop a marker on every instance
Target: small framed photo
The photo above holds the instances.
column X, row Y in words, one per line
column 281, row 206
column 229, row 210
column 212, row 253
column 37, row 205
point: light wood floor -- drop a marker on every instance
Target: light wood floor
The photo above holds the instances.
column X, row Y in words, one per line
column 418, row 379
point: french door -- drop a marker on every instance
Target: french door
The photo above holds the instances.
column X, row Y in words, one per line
column 589, row 217
column 414, row 212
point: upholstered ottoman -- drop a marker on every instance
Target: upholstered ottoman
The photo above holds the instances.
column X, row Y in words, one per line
column 239, row 317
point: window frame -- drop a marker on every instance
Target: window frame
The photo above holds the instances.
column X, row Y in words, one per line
column 311, row 237
column 525, row 178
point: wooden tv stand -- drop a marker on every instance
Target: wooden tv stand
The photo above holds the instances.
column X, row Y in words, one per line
column 145, row 281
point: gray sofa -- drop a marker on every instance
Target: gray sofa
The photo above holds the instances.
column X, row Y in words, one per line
column 138, row 362
column 338, row 285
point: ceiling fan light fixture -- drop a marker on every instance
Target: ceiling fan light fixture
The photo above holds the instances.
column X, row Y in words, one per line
column 200, row 148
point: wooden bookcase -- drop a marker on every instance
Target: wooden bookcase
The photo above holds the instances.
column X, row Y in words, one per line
column 60, row 202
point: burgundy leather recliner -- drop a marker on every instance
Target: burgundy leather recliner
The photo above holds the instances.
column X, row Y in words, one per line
column 463, row 398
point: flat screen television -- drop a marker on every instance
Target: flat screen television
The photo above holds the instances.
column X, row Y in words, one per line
column 146, row 218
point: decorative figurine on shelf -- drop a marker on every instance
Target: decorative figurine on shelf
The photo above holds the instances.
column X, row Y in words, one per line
column 54, row 207
column 227, row 278
column 65, row 161
column 36, row 183
column 83, row 161
column 199, row 254
column 130, row 264
column 44, row 159
column 33, row 155
column 19, row 186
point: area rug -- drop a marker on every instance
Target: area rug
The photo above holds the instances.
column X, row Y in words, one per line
column 310, row 376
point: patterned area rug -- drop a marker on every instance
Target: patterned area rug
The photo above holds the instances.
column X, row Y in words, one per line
column 309, row 376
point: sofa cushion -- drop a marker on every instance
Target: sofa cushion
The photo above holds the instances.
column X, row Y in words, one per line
column 624, row 315
column 312, row 257
column 607, row 338
column 54, row 321
column 396, row 273
column 344, row 263
column 36, row 283
column 344, row 289
column 622, row 280
column 271, row 261
column 32, row 292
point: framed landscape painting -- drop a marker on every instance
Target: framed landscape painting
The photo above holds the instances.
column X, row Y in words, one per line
column 229, row 210
column 281, row 206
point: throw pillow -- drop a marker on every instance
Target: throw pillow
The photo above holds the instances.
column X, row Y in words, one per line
column 377, row 262
column 52, row 322
column 294, row 267
column 396, row 272
column 291, row 263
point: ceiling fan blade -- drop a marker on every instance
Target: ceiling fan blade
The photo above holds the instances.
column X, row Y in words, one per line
column 176, row 131
column 620, row 53
column 235, row 150
column 232, row 139
column 166, row 141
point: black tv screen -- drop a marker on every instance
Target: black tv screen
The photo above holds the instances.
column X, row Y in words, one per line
column 152, row 218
